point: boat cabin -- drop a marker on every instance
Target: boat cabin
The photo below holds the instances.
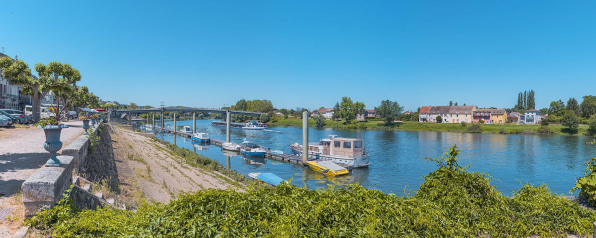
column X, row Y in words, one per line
column 340, row 146
column 203, row 136
column 186, row 129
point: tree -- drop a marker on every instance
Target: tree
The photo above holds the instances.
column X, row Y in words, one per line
column 525, row 100
column 346, row 109
column 265, row 117
column 439, row 119
column 556, row 108
column 544, row 111
column 455, row 104
column 336, row 113
column 588, row 106
column 389, row 111
column 54, row 76
column 592, row 125
column 359, row 108
column 520, row 102
column 319, row 120
column 284, row 111
column 571, row 121
column 450, row 103
column 531, row 102
column 573, row 105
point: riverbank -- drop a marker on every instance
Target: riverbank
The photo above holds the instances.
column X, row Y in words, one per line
column 427, row 126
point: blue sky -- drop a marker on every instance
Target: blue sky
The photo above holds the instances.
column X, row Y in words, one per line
column 311, row 53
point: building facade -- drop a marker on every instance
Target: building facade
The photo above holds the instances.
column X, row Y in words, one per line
column 498, row 116
column 11, row 96
column 423, row 114
column 533, row 116
column 482, row 115
column 458, row 114
column 436, row 111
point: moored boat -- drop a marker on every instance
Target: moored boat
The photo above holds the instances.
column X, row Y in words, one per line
column 254, row 125
column 148, row 127
column 230, row 146
column 186, row 129
column 252, row 149
column 201, row 137
column 343, row 151
column 266, row 178
column 327, row 168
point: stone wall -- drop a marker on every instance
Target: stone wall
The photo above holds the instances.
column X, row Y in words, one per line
column 46, row 186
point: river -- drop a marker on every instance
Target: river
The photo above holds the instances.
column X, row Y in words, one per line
column 510, row 160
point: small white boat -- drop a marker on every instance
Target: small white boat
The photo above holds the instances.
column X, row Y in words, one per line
column 230, row 146
column 277, row 152
column 201, row 147
column 186, row 129
column 254, row 125
column 230, row 153
column 252, row 149
column 201, row 137
column 148, row 127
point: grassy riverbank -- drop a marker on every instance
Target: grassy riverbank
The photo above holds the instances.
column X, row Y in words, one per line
column 425, row 126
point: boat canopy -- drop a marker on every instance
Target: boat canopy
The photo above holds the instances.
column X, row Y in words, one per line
column 270, row 178
column 251, row 145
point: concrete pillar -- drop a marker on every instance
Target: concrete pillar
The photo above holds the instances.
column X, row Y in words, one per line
column 304, row 136
column 153, row 123
column 161, row 118
column 147, row 118
column 228, row 161
column 129, row 118
column 194, row 123
column 228, row 126
column 174, row 124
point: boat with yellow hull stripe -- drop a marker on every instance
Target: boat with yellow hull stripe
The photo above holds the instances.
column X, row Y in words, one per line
column 327, row 168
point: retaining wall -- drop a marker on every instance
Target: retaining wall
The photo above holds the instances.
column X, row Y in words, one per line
column 46, row 186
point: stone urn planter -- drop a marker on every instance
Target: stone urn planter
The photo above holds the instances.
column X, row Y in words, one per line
column 85, row 126
column 93, row 122
column 53, row 143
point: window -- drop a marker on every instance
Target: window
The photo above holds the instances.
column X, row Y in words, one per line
column 347, row 144
column 336, row 144
column 357, row 144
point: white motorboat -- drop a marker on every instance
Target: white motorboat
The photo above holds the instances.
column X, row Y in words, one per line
column 252, row 149
column 201, row 137
column 347, row 152
column 254, row 125
column 148, row 127
column 230, row 146
column 186, row 129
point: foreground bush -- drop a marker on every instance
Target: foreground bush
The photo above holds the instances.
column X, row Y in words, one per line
column 475, row 128
column 451, row 202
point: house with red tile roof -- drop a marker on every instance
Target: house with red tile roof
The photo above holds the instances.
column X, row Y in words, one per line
column 423, row 115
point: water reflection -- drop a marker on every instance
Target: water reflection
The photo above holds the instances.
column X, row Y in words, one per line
column 553, row 160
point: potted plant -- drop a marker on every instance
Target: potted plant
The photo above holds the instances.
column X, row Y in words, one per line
column 52, row 130
column 85, row 120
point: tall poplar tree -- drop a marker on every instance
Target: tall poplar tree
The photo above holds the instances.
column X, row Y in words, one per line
column 525, row 100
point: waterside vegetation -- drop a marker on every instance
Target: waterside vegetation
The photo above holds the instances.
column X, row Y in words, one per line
column 451, row 202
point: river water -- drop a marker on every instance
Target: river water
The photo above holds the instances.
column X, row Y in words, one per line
column 511, row 160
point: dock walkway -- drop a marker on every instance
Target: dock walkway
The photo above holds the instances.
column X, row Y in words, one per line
column 283, row 157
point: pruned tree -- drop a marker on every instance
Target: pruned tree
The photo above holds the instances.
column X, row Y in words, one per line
column 389, row 111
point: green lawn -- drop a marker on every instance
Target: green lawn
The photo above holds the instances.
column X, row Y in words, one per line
column 426, row 126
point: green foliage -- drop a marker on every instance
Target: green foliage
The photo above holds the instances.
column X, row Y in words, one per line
column 592, row 125
column 475, row 128
column 388, row 110
column 63, row 211
column 451, row 202
column 502, row 131
column 439, row 119
column 545, row 130
column 588, row 106
column 319, row 120
column 587, row 184
column 45, row 122
column 464, row 124
column 481, row 121
column 556, row 108
column 544, row 122
column 571, row 121
column 265, row 117
column 94, row 138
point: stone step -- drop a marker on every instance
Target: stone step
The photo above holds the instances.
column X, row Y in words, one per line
column 110, row 201
column 86, row 187
column 99, row 195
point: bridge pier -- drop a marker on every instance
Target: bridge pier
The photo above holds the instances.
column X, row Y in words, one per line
column 174, row 124
column 304, row 137
column 129, row 118
column 228, row 126
column 194, row 123
column 161, row 119
column 153, row 123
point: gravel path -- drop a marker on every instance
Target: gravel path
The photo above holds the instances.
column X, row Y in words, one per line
column 22, row 153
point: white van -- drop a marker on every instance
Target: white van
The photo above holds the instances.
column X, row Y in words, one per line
column 45, row 112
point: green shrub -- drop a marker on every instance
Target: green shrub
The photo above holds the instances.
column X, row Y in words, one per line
column 592, row 125
column 451, row 202
column 481, row 121
column 545, row 130
column 502, row 131
column 544, row 122
column 587, row 184
column 464, row 124
column 362, row 126
column 475, row 128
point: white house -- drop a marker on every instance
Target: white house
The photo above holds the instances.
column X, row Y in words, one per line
column 533, row 116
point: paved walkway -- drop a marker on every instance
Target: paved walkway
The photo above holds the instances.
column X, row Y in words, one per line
column 22, row 153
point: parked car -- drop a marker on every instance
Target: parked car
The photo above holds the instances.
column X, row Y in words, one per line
column 17, row 114
column 4, row 120
column 13, row 119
